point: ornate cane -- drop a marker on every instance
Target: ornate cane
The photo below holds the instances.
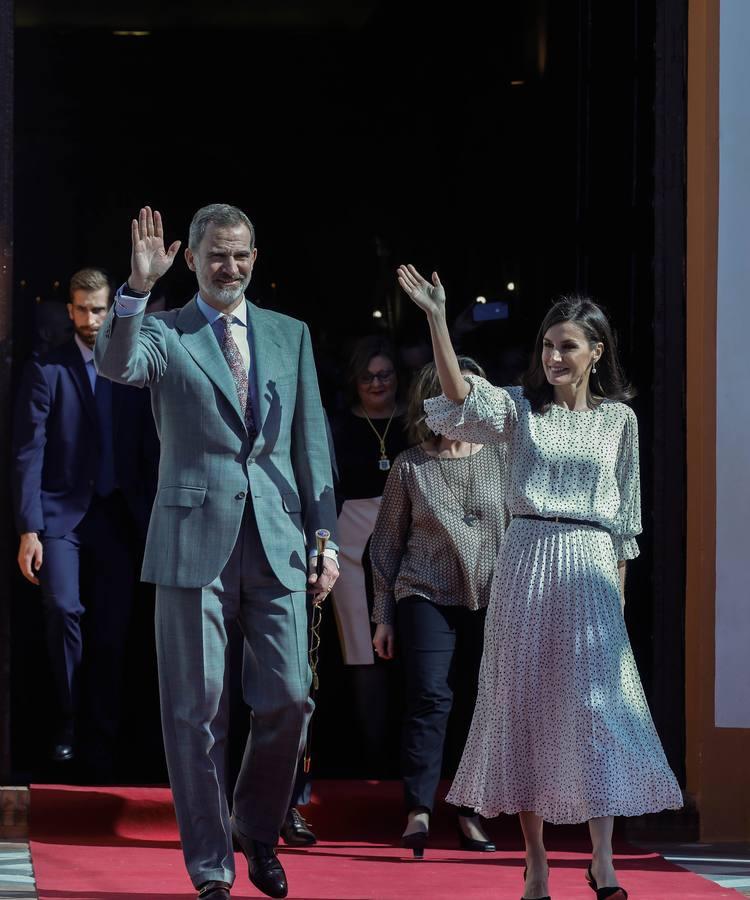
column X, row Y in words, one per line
column 321, row 539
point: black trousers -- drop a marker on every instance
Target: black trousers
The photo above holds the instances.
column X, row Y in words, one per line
column 441, row 649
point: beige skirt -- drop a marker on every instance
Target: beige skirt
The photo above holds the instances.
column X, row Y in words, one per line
column 355, row 525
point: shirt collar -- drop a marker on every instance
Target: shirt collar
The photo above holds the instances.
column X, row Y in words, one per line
column 239, row 315
column 86, row 352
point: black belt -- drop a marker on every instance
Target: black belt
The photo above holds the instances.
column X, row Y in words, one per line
column 562, row 520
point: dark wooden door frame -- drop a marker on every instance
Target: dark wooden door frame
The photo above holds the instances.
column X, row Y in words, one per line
column 6, row 318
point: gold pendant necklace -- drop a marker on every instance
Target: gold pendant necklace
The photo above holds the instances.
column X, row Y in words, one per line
column 383, row 463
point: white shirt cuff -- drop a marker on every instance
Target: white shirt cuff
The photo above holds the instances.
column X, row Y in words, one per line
column 329, row 552
column 126, row 306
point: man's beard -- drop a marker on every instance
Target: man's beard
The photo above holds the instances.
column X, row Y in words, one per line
column 226, row 296
column 88, row 338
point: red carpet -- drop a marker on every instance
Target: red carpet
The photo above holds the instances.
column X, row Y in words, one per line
column 121, row 844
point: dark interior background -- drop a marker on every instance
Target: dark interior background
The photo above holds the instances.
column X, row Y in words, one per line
column 499, row 142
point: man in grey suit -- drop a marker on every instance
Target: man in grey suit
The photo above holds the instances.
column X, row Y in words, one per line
column 244, row 483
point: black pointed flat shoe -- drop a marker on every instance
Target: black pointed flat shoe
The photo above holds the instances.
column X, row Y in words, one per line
column 605, row 893
column 468, row 843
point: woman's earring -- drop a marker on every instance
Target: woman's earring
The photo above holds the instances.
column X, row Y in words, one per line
column 593, row 370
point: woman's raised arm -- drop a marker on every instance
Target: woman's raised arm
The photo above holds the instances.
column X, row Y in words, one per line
column 431, row 298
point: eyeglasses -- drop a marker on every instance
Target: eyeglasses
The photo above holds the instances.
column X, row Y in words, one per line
column 383, row 376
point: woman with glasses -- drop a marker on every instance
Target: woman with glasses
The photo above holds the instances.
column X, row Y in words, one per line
column 561, row 729
column 433, row 551
column 367, row 436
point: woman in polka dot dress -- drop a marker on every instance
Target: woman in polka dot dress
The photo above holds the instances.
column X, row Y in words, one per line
column 561, row 729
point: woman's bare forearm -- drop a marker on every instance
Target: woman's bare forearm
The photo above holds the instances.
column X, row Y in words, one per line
column 452, row 381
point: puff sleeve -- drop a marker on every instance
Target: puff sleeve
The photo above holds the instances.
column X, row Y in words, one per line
column 627, row 523
column 487, row 415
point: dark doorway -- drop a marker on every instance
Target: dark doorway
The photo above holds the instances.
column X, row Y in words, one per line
column 510, row 144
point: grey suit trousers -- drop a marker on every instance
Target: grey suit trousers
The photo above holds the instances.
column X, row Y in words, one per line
column 193, row 654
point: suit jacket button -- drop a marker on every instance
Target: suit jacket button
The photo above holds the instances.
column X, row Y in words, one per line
column 240, row 496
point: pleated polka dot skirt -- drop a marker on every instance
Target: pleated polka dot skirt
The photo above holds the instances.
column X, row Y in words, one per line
column 561, row 725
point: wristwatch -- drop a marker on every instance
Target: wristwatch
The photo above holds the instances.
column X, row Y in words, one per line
column 132, row 292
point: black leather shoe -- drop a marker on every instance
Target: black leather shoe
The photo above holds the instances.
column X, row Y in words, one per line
column 295, row 830
column 468, row 843
column 214, row 890
column 263, row 867
column 62, row 752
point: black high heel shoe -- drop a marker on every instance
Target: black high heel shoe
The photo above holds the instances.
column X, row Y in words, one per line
column 525, row 870
column 416, row 842
column 468, row 843
column 605, row 893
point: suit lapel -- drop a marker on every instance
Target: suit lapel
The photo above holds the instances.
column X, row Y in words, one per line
column 80, row 378
column 198, row 338
column 266, row 350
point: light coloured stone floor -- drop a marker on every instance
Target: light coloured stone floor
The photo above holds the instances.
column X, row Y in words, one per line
column 16, row 872
column 726, row 864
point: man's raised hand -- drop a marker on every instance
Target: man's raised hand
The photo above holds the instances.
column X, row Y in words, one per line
column 429, row 297
column 148, row 259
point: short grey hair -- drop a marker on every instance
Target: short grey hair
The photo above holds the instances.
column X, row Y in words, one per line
column 221, row 214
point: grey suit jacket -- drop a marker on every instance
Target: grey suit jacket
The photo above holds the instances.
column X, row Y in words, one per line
column 208, row 469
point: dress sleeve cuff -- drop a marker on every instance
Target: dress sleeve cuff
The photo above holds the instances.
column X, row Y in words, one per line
column 625, row 547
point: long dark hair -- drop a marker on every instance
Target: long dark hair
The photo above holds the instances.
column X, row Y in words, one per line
column 609, row 381
column 426, row 384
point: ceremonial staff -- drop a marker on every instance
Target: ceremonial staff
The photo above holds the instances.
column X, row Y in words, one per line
column 321, row 539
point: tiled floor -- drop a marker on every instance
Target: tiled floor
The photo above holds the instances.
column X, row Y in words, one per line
column 16, row 873
column 725, row 864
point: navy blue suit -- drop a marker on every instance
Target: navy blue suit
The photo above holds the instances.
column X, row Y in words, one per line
column 90, row 540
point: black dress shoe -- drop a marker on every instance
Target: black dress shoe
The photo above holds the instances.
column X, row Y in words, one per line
column 214, row 890
column 263, row 866
column 62, row 752
column 468, row 843
column 295, row 830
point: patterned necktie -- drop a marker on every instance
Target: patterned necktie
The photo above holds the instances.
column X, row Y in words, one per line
column 239, row 373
